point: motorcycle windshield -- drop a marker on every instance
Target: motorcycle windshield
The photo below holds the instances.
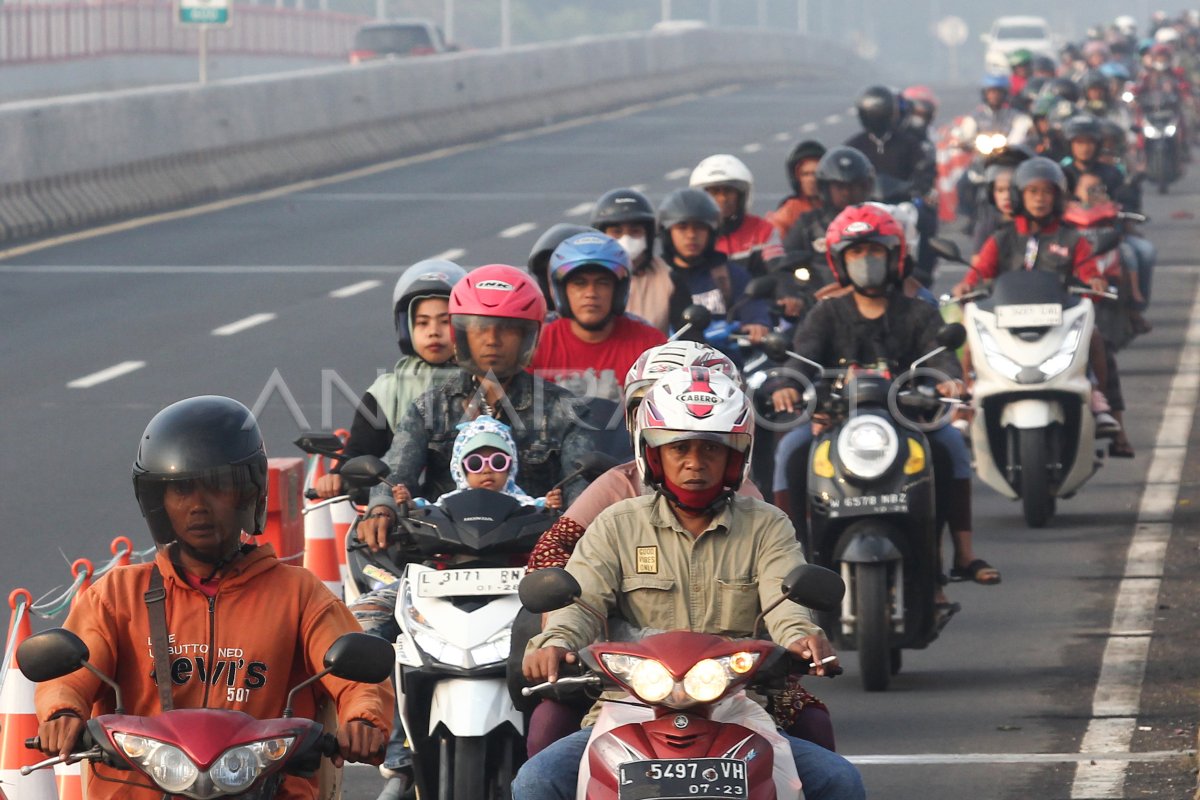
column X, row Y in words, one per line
column 477, row 521
column 1028, row 287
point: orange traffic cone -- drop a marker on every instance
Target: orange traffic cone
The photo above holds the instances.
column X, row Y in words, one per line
column 82, row 567
column 70, row 781
column 320, row 543
column 343, row 515
column 122, row 548
column 18, row 720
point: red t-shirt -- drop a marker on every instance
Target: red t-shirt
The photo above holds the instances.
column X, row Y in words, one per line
column 596, row 370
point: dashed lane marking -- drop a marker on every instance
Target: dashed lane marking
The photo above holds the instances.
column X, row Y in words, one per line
column 251, row 321
column 516, row 230
column 355, row 288
column 115, row 371
column 453, row 254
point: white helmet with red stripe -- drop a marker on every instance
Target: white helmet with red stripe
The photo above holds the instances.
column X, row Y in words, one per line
column 694, row 403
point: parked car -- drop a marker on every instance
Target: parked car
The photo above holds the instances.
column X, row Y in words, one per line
column 1016, row 33
column 398, row 39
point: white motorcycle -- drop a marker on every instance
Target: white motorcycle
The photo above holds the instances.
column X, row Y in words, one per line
column 1033, row 433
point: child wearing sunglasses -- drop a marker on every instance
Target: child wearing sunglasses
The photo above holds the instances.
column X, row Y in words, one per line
column 484, row 457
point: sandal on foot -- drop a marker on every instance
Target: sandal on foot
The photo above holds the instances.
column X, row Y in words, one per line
column 943, row 612
column 979, row 571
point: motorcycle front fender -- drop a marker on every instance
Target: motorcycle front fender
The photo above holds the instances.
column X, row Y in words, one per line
column 473, row 707
column 869, row 546
column 1032, row 413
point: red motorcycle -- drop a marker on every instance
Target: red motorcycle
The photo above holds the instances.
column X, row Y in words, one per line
column 203, row 753
column 697, row 734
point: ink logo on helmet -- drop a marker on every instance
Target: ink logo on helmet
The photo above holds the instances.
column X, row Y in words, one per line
column 858, row 227
column 495, row 285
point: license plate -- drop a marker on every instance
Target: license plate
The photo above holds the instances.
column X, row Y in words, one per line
column 868, row 504
column 464, row 582
column 1029, row 315
column 676, row 779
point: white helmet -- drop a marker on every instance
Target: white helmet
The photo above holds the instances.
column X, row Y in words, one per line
column 724, row 170
column 1126, row 24
column 661, row 359
column 1166, row 35
column 694, row 403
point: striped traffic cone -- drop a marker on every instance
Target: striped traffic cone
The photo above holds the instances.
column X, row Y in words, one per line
column 344, row 515
column 18, row 719
column 82, row 567
column 69, row 778
column 320, row 543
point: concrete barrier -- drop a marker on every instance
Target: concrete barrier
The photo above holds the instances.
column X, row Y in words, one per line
column 86, row 159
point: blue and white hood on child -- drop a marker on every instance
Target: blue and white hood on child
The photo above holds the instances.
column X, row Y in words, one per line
column 486, row 431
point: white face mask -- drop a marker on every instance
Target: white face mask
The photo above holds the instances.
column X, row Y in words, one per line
column 634, row 246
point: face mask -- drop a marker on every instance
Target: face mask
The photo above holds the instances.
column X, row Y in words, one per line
column 634, row 246
column 868, row 272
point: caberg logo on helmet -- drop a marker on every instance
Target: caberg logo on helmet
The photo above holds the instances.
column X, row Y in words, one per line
column 498, row 286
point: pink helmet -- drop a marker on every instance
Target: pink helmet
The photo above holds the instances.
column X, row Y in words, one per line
column 694, row 403
column 496, row 296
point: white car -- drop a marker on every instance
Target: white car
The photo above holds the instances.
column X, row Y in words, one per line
column 1016, row 33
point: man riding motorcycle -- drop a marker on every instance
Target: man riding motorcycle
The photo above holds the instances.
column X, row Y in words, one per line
column 635, row 560
column 627, row 216
column 845, row 177
column 747, row 239
column 1084, row 137
column 802, row 177
column 200, row 477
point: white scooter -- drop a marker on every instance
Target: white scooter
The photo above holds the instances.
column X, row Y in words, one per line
column 1033, row 434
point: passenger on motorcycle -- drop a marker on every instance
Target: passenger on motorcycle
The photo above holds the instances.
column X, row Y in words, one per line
column 200, row 478
column 996, row 113
column 627, row 216
column 997, row 176
column 538, row 262
column 845, row 177
column 747, row 239
column 420, row 303
column 905, row 156
column 592, row 344
column 921, row 106
column 873, row 324
column 660, row 561
column 496, row 313
column 802, row 176
column 1045, row 137
column 1084, row 137
column 1020, row 66
column 688, row 222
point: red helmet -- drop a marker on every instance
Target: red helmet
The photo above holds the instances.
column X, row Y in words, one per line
column 491, row 296
column 865, row 224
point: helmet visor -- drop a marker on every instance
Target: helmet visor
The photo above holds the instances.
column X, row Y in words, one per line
column 657, row 437
column 502, row 346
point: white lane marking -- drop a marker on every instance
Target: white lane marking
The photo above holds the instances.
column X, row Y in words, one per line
column 193, row 269
column 753, row 147
column 783, row 136
column 809, row 127
column 1118, row 757
column 638, row 187
column 453, row 254
column 116, row 371
column 243, row 324
column 724, row 90
column 1116, row 702
column 579, row 210
column 678, row 174
column 516, row 230
column 833, row 119
column 355, row 288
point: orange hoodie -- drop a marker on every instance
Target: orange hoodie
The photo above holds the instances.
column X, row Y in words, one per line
column 266, row 629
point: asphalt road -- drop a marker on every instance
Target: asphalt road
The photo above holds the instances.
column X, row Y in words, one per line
column 997, row 708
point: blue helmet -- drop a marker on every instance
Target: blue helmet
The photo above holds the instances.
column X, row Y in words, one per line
column 594, row 250
column 995, row 82
column 1114, row 69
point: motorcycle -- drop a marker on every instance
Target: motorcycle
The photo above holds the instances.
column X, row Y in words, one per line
column 870, row 497
column 692, row 731
column 456, row 566
column 1158, row 136
column 1033, row 431
column 203, row 752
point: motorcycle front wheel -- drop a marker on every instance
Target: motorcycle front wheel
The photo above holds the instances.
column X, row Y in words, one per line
column 1036, row 500
column 873, row 625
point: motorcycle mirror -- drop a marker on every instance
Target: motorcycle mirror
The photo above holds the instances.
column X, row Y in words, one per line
column 548, row 590
column 51, row 654
column 761, row 288
column 952, row 336
column 697, row 316
column 318, row 443
column 360, row 657
column 362, row 472
column 775, row 345
column 593, row 465
column 815, row 587
column 946, row 249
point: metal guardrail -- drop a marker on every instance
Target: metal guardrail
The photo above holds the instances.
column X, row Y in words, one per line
column 47, row 32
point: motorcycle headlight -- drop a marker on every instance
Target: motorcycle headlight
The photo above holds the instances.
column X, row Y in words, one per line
column 651, row 680
column 867, row 446
column 167, row 765
column 996, row 359
column 1062, row 358
column 494, row 650
column 240, row 766
column 1169, row 130
column 1151, row 132
column 706, row 681
column 428, row 638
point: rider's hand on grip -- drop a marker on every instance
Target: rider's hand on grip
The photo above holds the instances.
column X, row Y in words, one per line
column 58, row 736
column 542, row 664
column 327, row 486
column 374, row 529
column 359, row 740
column 816, row 650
